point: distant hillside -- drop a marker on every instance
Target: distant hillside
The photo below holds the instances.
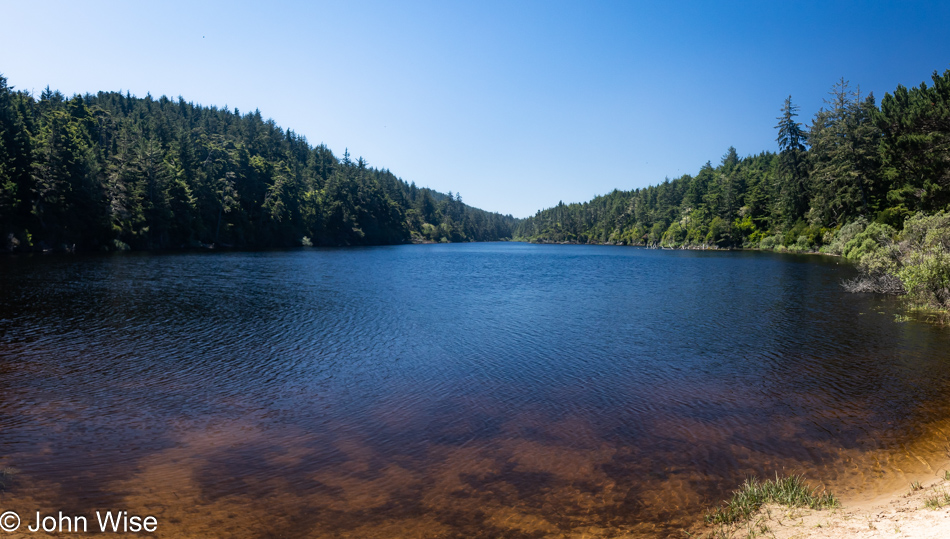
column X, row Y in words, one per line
column 112, row 171
column 855, row 163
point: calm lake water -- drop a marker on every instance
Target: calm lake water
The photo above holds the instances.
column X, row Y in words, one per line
column 473, row 390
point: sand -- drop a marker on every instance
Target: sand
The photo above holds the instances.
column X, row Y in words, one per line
column 903, row 513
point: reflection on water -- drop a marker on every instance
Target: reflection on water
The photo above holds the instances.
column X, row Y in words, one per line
column 492, row 390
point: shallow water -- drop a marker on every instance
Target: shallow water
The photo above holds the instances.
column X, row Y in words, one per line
column 475, row 390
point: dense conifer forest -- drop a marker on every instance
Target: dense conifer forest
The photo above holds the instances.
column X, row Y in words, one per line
column 113, row 172
column 854, row 161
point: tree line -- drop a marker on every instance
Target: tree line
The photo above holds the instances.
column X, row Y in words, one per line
column 854, row 162
column 112, row 172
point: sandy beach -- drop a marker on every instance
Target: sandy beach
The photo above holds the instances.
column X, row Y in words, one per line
column 917, row 511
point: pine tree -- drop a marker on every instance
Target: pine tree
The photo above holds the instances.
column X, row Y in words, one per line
column 792, row 194
column 843, row 143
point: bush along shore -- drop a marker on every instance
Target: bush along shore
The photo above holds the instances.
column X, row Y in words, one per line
column 914, row 262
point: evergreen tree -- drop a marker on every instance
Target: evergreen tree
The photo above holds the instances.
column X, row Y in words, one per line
column 791, row 186
column 843, row 142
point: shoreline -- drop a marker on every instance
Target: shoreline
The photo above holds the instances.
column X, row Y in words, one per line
column 918, row 509
column 685, row 247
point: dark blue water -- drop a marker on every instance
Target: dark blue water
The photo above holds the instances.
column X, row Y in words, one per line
column 479, row 390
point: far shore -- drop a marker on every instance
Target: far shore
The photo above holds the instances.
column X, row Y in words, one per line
column 676, row 248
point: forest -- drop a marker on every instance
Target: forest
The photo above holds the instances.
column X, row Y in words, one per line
column 855, row 161
column 868, row 182
column 111, row 172
column 115, row 172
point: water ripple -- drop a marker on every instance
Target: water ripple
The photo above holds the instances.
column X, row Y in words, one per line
column 451, row 388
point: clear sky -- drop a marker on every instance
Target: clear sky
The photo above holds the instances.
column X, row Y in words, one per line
column 516, row 105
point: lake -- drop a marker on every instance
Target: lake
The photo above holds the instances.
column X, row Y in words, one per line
column 464, row 390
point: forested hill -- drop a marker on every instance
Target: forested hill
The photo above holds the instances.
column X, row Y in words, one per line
column 854, row 163
column 112, row 171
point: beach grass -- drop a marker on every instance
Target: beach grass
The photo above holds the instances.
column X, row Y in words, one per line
column 791, row 491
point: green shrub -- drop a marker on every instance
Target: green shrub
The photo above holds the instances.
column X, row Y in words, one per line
column 789, row 491
column 869, row 240
column 925, row 264
column 769, row 242
column 792, row 235
column 915, row 262
column 836, row 241
column 755, row 240
column 804, row 242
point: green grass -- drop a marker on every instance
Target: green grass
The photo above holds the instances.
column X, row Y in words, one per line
column 938, row 499
column 790, row 491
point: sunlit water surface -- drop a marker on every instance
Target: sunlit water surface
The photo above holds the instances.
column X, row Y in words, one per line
column 481, row 390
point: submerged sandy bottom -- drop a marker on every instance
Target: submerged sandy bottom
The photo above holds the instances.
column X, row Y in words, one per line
column 233, row 479
column 534, row 393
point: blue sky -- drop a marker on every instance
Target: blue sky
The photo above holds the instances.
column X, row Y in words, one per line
column 516, row 105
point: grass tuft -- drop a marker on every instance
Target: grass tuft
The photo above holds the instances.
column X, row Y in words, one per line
column 790, row 491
